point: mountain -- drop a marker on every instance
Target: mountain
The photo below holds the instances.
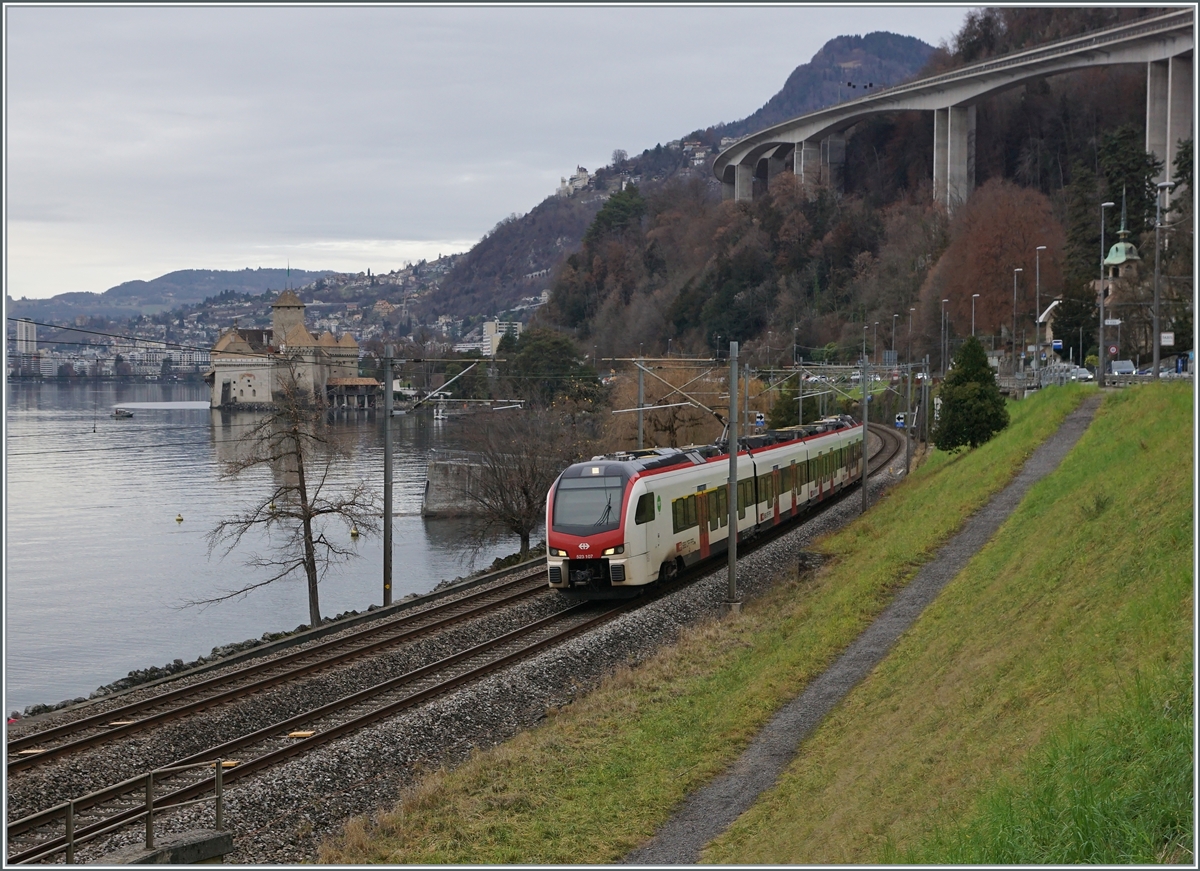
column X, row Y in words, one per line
column 182, row 287
column 495, row 274
column 879, row 59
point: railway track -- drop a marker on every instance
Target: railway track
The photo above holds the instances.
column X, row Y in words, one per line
column 57, row 741
column 29, row 838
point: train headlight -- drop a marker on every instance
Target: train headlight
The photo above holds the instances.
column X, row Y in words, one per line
column 620, row 548
column 554, row 551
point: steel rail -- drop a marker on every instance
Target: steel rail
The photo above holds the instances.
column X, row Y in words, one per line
column 393, row 629
column 274, row 757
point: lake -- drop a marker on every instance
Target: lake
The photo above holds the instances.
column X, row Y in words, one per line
column 97, row 570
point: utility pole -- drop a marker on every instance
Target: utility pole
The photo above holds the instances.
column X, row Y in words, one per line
column 1014, row 331
column 387, row 475
column 1162, row 186
column 800, row 398
column 945, row 337
column 1037, row 306
column 908, row 353
column 641, row 399
column 746, row 404
column 908, row 425
column 732, row 603
column 1100, row 349
column 926, row 399
column 866, row 415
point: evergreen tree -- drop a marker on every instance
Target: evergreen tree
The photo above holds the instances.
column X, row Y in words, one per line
column 783, row 411
column 1128, row 167
column 972, row 409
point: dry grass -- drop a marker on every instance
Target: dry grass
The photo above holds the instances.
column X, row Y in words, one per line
column 1057, row 614
column 600, row 776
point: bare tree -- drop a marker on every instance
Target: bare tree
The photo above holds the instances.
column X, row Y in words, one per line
column 518, row 456
column 295, row 516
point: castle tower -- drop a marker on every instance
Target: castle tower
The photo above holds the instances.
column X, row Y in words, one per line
column 287, row 312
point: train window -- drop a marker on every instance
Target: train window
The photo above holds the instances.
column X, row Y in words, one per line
column 787, row 477
column 723, row 506
column 583, row 506
column 644, row 512
column 683, row 513
column 714, row 513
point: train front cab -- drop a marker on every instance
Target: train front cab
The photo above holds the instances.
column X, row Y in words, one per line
column 596, row 530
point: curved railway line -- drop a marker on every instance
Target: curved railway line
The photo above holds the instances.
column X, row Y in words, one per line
column 36, row 836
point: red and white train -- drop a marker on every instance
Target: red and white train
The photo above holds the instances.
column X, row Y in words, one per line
column 619, row 522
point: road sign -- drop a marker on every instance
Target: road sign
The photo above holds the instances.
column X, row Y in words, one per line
column 1168, row 339
column 1112, row 322
column 1112, row 350
column 1057, row 345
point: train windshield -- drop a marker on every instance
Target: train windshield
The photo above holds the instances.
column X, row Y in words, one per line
column 584, row 506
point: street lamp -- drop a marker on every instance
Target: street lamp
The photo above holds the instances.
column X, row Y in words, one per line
column 894, row 333
column 945, row 336
column 1014, row 332
column 1154, row 339
column 875, row 344
column 1037, row 304
column 909, row 353
column 1100, row 349
column 974, row 297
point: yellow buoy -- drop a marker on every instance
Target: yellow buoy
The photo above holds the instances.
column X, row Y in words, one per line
column 272, row 506
column 354, row 532
column 179, row 518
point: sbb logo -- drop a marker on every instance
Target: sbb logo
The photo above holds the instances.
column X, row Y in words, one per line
column 583, row 545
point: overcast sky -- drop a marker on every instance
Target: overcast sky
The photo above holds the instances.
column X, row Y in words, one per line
column 143, row 140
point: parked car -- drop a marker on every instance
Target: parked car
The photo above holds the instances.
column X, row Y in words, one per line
column 1081, row 374
column 1123, row 367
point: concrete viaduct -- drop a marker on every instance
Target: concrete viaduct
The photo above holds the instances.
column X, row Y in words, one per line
column 815, row 144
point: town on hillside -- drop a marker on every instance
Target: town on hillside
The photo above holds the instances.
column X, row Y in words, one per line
column 179, row 344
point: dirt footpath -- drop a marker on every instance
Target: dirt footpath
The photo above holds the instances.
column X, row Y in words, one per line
column 710, row 811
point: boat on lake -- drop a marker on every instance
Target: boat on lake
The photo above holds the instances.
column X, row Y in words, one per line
column 122, row 413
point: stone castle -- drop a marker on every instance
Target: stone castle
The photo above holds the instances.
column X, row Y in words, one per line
column 249, row 366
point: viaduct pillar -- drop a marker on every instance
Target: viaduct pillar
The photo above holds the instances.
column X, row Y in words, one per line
column 953, row 155
column 806, row 162
column 1169, row 109
column 833, row 159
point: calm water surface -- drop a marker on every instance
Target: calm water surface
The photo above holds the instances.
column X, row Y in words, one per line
column 98, row 571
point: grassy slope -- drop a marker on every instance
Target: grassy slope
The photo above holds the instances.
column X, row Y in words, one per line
column 1084, row 591
column 603, row 774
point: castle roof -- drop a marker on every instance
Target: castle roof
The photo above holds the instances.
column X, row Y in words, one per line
column 347, row 341
column 298, row 337
column 287, row 299
column 327, row 340
column 232, row 342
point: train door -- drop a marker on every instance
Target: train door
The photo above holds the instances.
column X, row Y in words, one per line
column 702, row 508
column 776, row 492
column 795, row 486
column 644, row 535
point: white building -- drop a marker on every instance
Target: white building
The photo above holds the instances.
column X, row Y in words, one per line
column 26, row 336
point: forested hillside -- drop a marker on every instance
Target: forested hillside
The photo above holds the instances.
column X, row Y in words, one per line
column 676, row 265
column 492, row 276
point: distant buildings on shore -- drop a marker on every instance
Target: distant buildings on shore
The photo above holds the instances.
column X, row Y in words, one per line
column 138, row 357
